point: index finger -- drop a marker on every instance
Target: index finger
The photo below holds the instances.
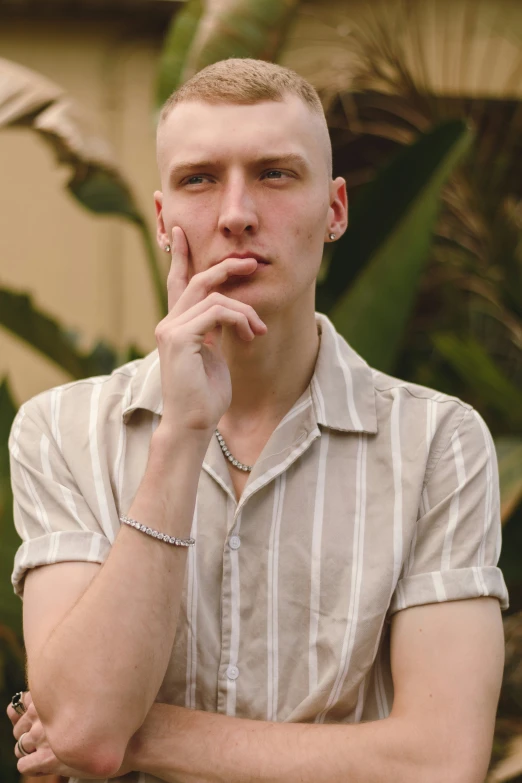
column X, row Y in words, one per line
column 177, row 279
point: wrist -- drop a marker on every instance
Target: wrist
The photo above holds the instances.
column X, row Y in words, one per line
column 142, row 751
column 169, row 439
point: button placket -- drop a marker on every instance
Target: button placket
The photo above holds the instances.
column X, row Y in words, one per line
column 230, row 616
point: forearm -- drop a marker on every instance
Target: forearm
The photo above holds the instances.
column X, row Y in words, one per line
column 182, row 746
column 101, row 669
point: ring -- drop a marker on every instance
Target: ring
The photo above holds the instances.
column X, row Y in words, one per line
column 21, row 748
column 17, row 703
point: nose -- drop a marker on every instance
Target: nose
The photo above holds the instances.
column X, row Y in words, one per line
column 238, row 213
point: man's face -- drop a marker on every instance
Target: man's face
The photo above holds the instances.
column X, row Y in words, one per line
column 250, row 179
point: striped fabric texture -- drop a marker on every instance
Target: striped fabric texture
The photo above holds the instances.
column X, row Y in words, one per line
column 372, row 495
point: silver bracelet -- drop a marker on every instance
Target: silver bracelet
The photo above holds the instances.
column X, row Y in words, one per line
column 156, row 534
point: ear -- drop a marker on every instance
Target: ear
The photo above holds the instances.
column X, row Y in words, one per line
column 337, row 220
column 161, row 233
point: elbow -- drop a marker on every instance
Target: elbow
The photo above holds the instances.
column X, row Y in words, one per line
column 96, row 758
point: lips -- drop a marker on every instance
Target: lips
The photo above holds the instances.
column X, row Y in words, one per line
column 258, row 258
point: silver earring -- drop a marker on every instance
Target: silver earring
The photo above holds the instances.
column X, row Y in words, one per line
column 167, row 248
column 331, row 236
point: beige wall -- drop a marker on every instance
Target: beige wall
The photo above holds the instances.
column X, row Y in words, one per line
column 89, row 271
column 448, row 47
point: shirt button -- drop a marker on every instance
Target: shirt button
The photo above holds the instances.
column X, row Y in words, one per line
column 235, row 542
column 232, row 672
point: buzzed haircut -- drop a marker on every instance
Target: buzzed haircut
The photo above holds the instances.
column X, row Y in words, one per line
column 247, row 81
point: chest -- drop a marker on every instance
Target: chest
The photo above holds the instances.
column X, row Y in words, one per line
column 239, row 478
column 287, row 588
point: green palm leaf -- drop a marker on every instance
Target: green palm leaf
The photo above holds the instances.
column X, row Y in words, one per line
column 388, row 239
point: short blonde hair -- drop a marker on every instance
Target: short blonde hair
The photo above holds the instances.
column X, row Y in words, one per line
column 246, row 81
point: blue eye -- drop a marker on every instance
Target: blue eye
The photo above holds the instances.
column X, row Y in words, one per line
column 274, row 171
column 196, row 176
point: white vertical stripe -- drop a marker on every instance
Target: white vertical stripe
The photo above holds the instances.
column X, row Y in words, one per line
column 480, row 583
column 431, row 426
column 488, row 516
column 320, row 399
column 54, row 546
column 396, row 457
column 66, row 492
column 360, row 702
column 94, row 555
column 119, row 463
column 39, row 508
column 434, row 409
column 402, row 595
column 349, row 384
column 44, row 456
column 56, row 399
column 429, row 405
column 16, row 432
column 149, row 371
column 273, row 600
column 440, row 590
column 192, row 617
column 293, row 412
column 105, row 518
column 454, row 505
column 315, row 574
column 356, row 578
column 235, row 608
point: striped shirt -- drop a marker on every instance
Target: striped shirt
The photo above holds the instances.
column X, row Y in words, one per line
column 372, row 495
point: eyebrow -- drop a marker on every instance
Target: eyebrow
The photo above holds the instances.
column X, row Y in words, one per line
column 291, row 158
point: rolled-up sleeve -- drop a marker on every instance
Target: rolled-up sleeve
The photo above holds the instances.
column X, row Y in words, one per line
column 52, row 518
column 457, row 539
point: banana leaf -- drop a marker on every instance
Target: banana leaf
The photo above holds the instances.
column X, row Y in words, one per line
column 29, row 100
column 178, row 40
column 509, row 455
column 388, row 240
column 42, row 332
column 225, row 28
column 471, row 362
column 10, row 605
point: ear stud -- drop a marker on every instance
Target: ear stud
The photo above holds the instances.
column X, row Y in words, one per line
column 167, row 248
column 331, row 236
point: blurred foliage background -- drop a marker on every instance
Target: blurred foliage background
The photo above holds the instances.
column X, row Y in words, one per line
column 426, row 283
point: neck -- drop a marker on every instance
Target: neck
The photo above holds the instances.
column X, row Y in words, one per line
column 270, row 373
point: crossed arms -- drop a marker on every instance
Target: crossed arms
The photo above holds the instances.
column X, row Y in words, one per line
column 447, row 662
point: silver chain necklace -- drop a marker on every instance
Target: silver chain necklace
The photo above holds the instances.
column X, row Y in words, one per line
column 235, row 462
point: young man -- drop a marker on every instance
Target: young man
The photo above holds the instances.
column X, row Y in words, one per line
column 339, row 617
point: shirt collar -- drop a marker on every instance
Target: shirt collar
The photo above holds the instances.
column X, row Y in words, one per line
column 342, row 387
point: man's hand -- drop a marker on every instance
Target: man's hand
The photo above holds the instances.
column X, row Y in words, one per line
column 195, row 379
column 41, row 759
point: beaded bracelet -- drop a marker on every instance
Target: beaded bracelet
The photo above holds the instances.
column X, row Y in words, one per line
column 156, row 534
